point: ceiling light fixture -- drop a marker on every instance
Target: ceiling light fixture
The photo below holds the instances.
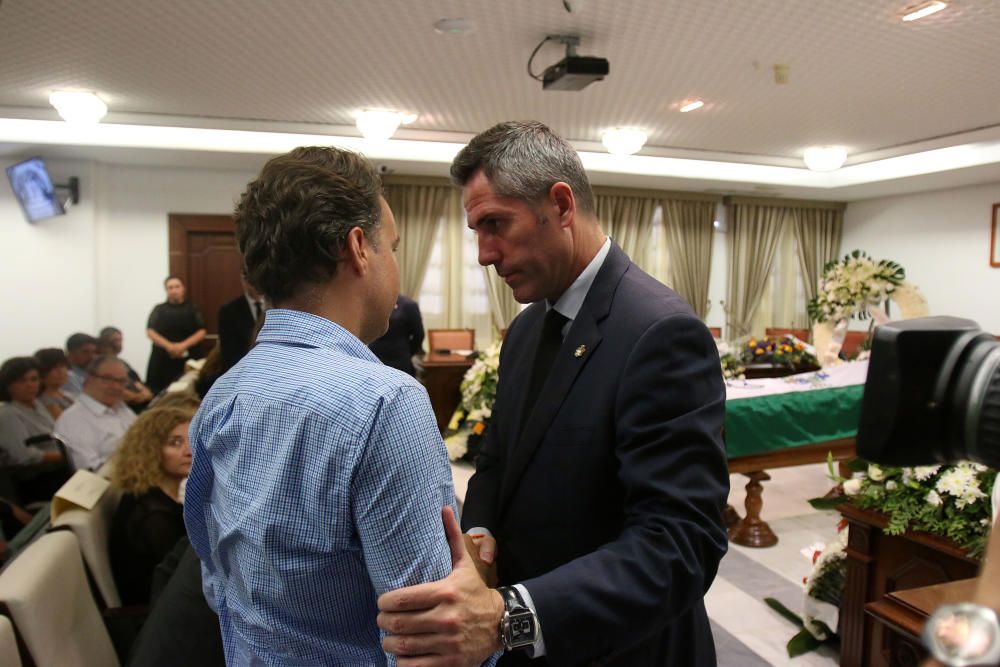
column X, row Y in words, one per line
column 453, row 27
column 825, row 158
column 379, row 125
column 78, row 107
column 623, row 140
column 691, row 105
column 924, row 9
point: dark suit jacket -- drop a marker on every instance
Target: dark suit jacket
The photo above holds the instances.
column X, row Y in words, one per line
column 236, row 325
column 609, row 507
column 403, row 339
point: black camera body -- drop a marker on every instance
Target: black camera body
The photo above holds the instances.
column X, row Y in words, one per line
column 932, row 394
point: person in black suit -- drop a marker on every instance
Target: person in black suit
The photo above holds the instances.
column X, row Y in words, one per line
column 238, row 320
column 404, row 337
column 600, row 489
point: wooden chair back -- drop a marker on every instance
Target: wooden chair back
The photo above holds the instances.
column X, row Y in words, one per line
column 445, row 340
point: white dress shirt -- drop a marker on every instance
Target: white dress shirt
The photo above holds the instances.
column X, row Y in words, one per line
column 92, row 431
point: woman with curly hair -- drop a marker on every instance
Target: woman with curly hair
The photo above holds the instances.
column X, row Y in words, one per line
column 149, row 466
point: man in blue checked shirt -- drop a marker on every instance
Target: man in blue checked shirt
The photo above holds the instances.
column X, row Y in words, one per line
column 319, row 475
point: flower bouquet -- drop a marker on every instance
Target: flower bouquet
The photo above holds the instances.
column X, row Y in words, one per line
column 850, row 285
column 467, row 427
column 780, row 351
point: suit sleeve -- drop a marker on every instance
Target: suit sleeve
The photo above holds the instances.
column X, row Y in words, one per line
column 416, row 329
column 230, row 346
column 669, row 409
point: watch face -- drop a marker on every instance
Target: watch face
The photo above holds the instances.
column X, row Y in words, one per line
column 522, row 627
column 965, row 634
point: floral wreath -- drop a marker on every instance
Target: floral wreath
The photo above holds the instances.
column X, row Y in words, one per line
column 855, row 286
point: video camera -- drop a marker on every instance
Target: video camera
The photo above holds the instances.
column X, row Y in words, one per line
column 932, row 394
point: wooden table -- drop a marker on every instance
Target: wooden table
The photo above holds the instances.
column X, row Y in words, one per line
column 879, row 565
column 904, row 613
column 752, row 530
column 442, row 376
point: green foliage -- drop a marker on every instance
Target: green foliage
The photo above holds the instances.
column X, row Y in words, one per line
column 948, row 501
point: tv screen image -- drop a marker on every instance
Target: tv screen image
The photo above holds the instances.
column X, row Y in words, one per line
column 34, row 190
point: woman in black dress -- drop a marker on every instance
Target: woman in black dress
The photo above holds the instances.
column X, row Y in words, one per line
column 148, row 468
column 175, row 327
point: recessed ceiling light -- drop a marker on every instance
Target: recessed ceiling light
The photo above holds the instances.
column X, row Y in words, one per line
column 623, row 140
column 825, row 158
column 924, row 9
column 453, row 27
column 691, row 105
column 78, row 107
column 379, row 124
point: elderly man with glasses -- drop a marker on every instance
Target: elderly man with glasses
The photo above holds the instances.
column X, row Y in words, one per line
column 93, row 426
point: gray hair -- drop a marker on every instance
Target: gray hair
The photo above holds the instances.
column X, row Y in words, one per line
column 94, row 367
column 523, row 160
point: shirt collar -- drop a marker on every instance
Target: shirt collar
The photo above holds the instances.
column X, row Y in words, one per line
column 96, row 406
column 296, row 327
column 571, row 301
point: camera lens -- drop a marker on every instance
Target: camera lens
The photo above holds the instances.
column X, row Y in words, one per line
column 975, row 432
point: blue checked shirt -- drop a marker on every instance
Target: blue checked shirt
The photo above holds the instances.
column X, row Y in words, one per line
column 318, row 480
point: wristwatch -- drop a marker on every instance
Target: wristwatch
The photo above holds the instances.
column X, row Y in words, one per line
column 963, row 635
column 519, row 625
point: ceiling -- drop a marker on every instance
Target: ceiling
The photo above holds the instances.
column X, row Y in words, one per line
column 857, row 76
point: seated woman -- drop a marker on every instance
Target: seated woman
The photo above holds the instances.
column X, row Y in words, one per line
column 153, row 459
column 25, row 433
column 53, row 370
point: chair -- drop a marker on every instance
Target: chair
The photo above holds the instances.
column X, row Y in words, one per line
column 446, row 340
column 852, row 342
column 801, row 334
column 45, row 594
column 9, row 655
column 93, row 529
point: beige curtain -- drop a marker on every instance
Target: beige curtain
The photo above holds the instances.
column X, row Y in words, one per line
column 754, row 236
column 689, row 244
column 817, row 233
column 418, row 210
column 503, row 306
column 629, row 221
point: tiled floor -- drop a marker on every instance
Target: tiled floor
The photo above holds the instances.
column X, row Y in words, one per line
column 747, row 632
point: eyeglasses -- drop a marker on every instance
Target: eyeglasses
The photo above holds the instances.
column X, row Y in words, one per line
column 112, row 379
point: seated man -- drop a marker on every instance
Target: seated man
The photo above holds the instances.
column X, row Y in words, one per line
column 137, row 395
column 319, row 474
column 93, row 426
column 81, row 349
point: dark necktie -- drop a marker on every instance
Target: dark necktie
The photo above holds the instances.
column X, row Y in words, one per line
column 548, row 346
column 258, row 311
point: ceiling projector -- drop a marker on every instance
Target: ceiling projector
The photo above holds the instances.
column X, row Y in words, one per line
column 574, row 73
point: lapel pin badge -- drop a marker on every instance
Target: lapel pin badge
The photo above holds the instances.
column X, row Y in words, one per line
column 580, row 351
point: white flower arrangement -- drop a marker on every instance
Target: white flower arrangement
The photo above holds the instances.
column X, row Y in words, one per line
column 479, row 390
column 849, row 286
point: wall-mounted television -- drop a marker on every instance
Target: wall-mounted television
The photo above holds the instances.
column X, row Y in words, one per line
column 34, row 190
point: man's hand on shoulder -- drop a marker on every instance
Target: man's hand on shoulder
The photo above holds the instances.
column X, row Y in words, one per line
column 454, row 621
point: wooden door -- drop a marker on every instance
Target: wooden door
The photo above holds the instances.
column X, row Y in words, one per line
column 204, row 255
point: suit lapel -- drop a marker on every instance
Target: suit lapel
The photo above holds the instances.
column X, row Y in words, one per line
column 581, row 342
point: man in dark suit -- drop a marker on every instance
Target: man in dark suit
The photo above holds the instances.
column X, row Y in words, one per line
column 403, row 339
column 238, row 321
column 601, row 485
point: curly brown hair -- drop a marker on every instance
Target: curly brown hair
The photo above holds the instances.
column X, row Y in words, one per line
column 136, row 465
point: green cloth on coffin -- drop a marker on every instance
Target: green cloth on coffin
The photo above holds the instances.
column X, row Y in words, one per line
column 779, row 421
